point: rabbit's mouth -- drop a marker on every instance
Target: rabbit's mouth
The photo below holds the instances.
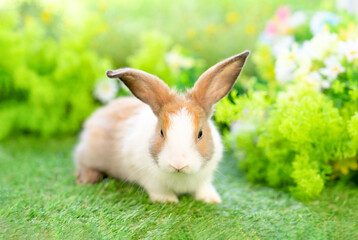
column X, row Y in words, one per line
column 187, row 171
column 177, row 172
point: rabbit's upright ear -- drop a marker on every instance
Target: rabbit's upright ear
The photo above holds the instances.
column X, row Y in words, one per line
column 146, row 87
column 217, row 81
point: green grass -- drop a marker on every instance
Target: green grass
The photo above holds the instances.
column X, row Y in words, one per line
column 39, row 200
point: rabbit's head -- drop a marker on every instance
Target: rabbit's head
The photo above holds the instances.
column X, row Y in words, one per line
column 183, row 140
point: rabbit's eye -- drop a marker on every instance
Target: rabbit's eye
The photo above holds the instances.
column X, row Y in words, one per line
column 161, row 132
column 200, row 134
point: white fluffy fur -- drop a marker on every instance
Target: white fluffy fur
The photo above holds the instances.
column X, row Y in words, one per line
column 179, row 150
column 137, row 165
column 131, row 159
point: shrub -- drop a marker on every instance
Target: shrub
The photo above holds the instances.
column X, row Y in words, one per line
column 302, row 132
column 47, row 72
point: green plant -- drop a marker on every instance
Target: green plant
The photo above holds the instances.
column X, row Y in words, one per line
column 47, row 72
column 300, row 132
column 298, row 142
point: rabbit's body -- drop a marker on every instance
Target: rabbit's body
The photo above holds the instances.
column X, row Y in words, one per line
column 169, row 146
column 116, row 141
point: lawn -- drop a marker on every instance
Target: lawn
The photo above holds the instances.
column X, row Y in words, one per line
column 39, row 200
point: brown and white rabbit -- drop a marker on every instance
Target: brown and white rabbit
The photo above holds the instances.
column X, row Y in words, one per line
column 161, row 140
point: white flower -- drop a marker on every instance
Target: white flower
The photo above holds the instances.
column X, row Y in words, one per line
column 320, row 19
column 176, row 61
column 290, row 95
column 285, row 67
column 106, row 90
column 303, row 59
column 332, row 69
column 305, row 49
column 239, row 127
column 349, row 49
column 321, row 44
column 326, row 84
column 314, row 80
column 282, row 44
column 297, row 19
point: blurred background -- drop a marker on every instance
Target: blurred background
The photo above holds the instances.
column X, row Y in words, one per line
column 54, row 52
column 291, row 120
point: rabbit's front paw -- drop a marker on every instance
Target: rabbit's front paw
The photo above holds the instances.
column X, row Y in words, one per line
column 87, row 175
column 163, row 198
column 208, row 194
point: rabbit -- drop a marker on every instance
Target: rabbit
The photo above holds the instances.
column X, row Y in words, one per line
column 161, row 140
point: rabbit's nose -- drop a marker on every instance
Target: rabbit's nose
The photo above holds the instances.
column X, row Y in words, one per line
column 178, row 167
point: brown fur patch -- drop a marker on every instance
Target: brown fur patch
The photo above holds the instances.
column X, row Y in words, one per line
column 157, row 144
column 146, row 87
column 205, row 144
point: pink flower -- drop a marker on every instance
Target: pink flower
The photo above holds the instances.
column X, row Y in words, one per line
column 283, row 13
column 271, row 28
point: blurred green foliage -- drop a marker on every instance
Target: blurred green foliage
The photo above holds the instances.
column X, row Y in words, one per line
column 46, row 73
column 55, row 51
column 175, row 66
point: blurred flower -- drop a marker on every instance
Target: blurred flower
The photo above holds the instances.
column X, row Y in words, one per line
column 321, row 44
column 332, row 69
column 106, row 90
column 282, row 14
column 265, row 39
column 191, row 33
column 176, row 60
column 211, row 29
column 241, row 126
column 302, row 56
column 232, row 17
column 320, row 19
column 314, row 80
column 349, row 49
column 285, row 67
column 326, row 84
column 287, row 96
column 297, row 19
column 250, row 29
column 271, row 29
column 279, row 26
column 46, row 16
column 282, row 44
